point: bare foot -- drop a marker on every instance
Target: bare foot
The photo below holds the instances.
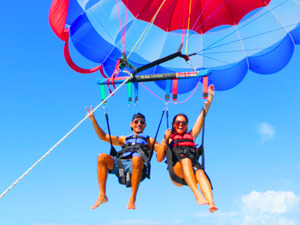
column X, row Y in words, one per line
column 212, row 208
column 201, row 200
column 100, row 200
column 131, row 204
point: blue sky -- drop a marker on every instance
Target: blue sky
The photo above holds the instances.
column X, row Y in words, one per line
column 252, row 141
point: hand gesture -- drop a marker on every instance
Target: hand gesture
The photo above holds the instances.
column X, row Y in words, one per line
column 91, row 115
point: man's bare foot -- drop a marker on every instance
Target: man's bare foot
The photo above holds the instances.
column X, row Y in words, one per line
column 131, row 204
column 212, row 208
column 100, row 200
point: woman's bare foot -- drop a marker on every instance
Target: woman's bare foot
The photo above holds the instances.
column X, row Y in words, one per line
column 212, row 208
column 201, row 200
column 100, row 200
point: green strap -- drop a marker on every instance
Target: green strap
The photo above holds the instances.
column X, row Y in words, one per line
column 129, row 89
column 102, row 93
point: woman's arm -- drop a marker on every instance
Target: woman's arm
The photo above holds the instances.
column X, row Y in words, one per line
column 199, row 122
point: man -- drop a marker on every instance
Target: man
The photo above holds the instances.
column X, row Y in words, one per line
column 131, row 158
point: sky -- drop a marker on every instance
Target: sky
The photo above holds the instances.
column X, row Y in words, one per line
column 251, row 140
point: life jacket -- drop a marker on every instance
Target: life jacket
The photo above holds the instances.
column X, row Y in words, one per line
column 182, row 140
column 135, row 145
column 183, row 144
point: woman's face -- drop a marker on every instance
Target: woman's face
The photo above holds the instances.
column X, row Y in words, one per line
column 180, row 125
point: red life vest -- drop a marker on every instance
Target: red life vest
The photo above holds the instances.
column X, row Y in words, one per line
column 185, row 139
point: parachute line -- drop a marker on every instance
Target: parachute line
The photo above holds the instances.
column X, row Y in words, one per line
column 211, row 14
column 213, row 44
column 150, row 23
column 243, row 47
column 62, row 139
column 188, row 27
column 277, row 18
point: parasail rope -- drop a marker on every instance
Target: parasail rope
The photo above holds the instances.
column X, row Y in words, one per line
column 50, row 150
column 151, row 22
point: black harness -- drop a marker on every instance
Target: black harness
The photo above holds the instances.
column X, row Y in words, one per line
column 189, row 151
column 142, row 149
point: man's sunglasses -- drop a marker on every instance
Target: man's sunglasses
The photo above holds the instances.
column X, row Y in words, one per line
column 137, row 121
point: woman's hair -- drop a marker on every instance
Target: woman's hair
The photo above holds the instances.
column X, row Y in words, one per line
column 174, row 119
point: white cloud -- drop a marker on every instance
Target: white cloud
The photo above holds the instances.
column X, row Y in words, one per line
column 270, row 202
column 266, row 131
column 269, row 208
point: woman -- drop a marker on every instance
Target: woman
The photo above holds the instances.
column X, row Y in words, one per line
column 186, row 166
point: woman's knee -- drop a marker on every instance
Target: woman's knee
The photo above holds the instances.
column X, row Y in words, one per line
column 186, row 162
column 200, row 174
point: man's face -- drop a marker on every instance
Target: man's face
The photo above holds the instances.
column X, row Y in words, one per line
column 138, row 125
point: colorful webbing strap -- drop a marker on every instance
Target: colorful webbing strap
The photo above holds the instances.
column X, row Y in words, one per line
column 129, row 91
column 175, row 89
column 103, row 93
column 205, row 87
column 168, row 90
column 136, row 91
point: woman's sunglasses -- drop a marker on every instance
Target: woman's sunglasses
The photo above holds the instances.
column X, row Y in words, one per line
column 137, row 121
column 180, row 122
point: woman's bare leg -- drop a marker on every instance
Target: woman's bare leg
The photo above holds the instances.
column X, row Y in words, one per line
column 206, row 189
column 185, row 171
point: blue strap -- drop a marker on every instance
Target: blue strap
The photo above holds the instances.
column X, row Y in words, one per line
column 168, row 90
column 136, row 91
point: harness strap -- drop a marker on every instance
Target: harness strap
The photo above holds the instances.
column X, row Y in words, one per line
column 123, row 179
column 170, row 154
column 113, row 151
column 202, row 141
column 152, row 146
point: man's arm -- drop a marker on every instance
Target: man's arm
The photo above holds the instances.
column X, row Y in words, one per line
column 101, row 134
column 150, row 143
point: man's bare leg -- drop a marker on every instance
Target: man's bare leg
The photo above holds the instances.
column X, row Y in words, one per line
column 104, row 162
column 137, row 167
